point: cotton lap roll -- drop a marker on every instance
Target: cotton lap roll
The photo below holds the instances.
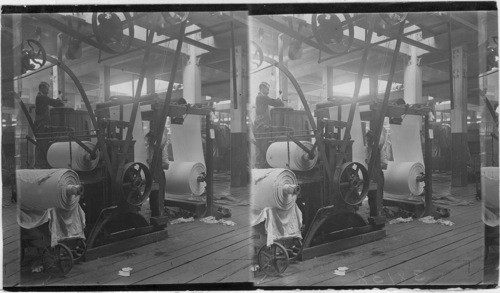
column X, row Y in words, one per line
column 58, row 156
column 277, row 156
column 51, row 188
column 275, row 188
column 401, row 178
column 182, row 178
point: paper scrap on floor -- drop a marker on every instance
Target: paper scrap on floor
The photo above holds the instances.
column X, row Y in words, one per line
column 340, row 271
column 181, row 220
column 400, row 220
column 125, row 272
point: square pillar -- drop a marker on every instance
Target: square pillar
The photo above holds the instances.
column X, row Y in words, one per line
column 239, row 140
column 459, row 150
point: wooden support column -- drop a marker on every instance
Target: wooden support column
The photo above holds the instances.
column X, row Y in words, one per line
column 488, row 145
column 459, row 118
column 104, row 83
column 239, row 141
column 373, row 87
column 327, row 85
column 61, row 75
column 150, row 84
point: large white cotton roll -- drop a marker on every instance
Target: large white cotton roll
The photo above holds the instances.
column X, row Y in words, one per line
column 278, row 153
column 41, row 189
column 401, row 178
column 490, row 196
column 58, row 156
column 182, row 178
column 274, row 187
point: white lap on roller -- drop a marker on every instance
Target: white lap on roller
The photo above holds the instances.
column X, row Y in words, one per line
column 182, row 178
column 51, row 188
column 277, row 156
column 489, row 194
column 405, row 140
column 401, row 178
column 58, row 156
column 275, row 188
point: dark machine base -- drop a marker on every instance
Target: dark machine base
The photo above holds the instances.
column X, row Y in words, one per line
column 147, row 235
column 196, row 207
column 417, row 208
column 342, row 244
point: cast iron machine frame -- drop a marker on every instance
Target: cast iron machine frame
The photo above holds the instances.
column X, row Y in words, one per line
column 343, row 183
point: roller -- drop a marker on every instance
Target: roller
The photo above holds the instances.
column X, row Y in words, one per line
column 50, row 188
column 58, row 156
column 277, row 156
column 275, row 187
column 489, row 190
column 404, row 178
column 185, row 178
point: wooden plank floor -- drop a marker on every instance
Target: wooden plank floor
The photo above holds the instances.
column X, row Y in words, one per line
column 194, row 252
column 10, row 238
column 412, row 254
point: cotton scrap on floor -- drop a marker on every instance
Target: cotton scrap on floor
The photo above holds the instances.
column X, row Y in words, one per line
column 431, row 220
column 400, row 220
column 212, row 220
column 181, row 220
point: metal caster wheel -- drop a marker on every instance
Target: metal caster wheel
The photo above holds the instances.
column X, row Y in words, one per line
column 273, row 260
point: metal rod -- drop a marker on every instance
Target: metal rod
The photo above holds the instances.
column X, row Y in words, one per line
column 133, row 114
column 428, row 168
column 359, row 79
column 379, row 42
column 162, row 115
column 209, row 169
column 312, row 122
column 146, row 46
column 375, row 153
column 100, row 138
column 69, row 31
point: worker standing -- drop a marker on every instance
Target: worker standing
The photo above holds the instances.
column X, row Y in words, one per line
column 42, row 122
column 262, row 123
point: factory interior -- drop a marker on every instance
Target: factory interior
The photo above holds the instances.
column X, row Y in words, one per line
column 183, row 75
column 219, row 148
column 422, row 86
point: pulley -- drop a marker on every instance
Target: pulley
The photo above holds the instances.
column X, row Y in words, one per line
column 33, row 55
column 109, row 28
column 257, row 56
column 492, row 55
column 330, row 31
column 175, row 17
column 393, row 19
column 136, row 183
column 352, row 182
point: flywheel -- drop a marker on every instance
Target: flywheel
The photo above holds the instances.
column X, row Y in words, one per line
column 352, row 182
column 136, row 183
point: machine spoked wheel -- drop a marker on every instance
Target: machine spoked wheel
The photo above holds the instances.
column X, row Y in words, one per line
column 393, row 19
column 174, row 18
column 273, row 260
column 136, row 183
column 352, row 181
column 114, row 31
column 58, row 257
column 333, row 31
